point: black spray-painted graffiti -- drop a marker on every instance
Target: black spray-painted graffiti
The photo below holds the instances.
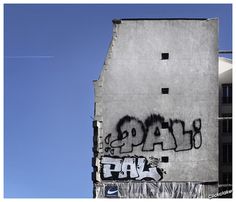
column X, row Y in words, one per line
column 171, row 134
column 127, row 168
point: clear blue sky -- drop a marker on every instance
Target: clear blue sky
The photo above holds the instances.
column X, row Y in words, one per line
column 49, row 100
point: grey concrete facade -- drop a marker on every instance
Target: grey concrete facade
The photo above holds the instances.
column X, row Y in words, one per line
column 156, row 106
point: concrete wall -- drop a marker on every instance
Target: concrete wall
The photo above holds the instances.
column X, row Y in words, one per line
column 142, row 133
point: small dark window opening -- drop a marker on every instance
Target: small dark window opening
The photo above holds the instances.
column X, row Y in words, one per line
column 165, row 90
column 165, row 56
column 227, row 153
column 128, row 167
column 165, row 159
column 227, row 93
column 227, row 126
column 164, row 125
column 227, row 178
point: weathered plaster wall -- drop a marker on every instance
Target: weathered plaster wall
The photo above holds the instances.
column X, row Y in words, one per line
column 144, row 134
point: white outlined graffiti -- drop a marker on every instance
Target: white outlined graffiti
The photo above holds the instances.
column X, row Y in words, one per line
column 126, row 168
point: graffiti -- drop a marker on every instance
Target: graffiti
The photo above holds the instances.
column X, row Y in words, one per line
column 183, row 138
column 127, row 168
column 111, row 191
column 197, row 133
column 107, row 139
column 130, row 133
column 156, row 134
column 170, row 134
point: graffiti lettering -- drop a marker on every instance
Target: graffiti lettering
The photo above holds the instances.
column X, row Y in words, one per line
column 197, row 137
column 170, row 134
column 183, row 138
column 156, row 135
column 130, row 133
column 137, row 168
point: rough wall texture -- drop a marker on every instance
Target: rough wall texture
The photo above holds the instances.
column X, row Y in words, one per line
column 156, row 113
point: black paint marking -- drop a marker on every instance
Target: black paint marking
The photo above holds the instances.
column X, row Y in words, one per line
column 133, row 132
column 112, row 151
column 122, row 135
column 107, row 149
column 125, row 119
column 197, row 124
column 153, row 118
column 157, row 132
column 107, row 138
column 112, row 166
column 160, row 172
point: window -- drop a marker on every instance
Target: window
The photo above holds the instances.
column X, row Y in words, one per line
column 227, row 153
column 227, row 178
column 227, row 93
column 227, row 125
column 165, row 159
column 165, row 90
column 164, row 125
column 165, row 56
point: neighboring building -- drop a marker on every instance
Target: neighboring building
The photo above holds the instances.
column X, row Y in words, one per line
column 156, row 111
column 225, row 125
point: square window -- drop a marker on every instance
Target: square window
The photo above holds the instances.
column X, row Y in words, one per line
column 227, row 126
column 227, row 153
column 165, row 159
column 164, row 125
column 165, row 56
column 227, row 93
column 227, row 178
column 165, row 90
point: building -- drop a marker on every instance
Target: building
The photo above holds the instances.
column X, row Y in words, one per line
column 225, row 125
column 156, row 111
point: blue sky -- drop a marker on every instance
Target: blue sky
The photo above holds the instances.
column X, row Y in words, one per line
column 52, row 55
